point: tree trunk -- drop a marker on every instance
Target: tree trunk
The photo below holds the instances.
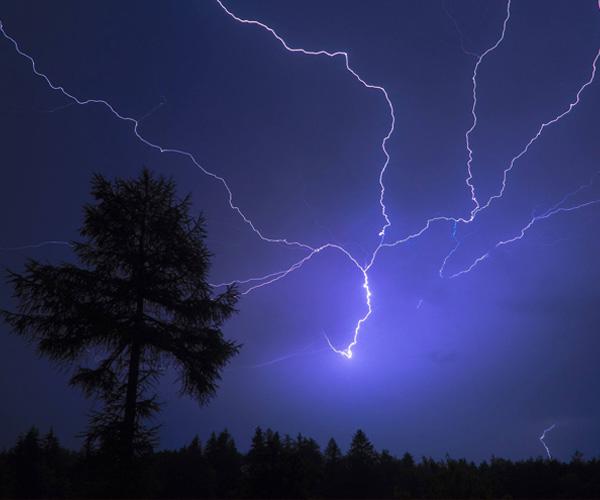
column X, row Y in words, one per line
column 133, row 377
column 129, row 421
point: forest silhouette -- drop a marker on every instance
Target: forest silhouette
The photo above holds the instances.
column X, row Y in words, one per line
column 138, row 304
column 282, row 467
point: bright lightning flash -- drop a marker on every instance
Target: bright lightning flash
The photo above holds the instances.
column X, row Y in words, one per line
column 259, row 282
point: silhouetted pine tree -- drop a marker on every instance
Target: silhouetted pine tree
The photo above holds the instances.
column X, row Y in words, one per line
column 275, row 466
column 265, row 466
column 333, row 469
column 26, row 461
column 387, row 472
column 139, row 300
column 224, row 459
column 406, row 483
column 56, row 463
column 255, row 467
column 306, row 468
column 361, row 461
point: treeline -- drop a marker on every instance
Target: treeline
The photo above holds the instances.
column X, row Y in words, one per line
column 281, row 467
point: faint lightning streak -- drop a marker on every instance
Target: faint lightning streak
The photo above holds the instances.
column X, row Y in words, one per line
column 148, row 143
column 274, row 277
column 543, row 436
column 36, row 245
column 554, row 210
column 458, row 30
column 357, row 77
column 251, row 280
column 58, row 108
column 447, row 258
column 473, row 108
column 153, row 110
column 451, row 253
column 277, row 275
column 475, row 263
column 302, row 352
column 546, row 216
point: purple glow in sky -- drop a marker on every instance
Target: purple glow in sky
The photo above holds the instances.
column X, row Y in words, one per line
column 462, row 228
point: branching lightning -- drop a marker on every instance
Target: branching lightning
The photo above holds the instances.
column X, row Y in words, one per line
column 349, row 68
column 135, row 127
column 312, row 251
column 473, row 108
column 557, row 208
column 543, row 436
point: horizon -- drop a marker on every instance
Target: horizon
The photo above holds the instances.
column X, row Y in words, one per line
column 419, row 459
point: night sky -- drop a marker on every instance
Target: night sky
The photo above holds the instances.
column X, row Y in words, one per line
column 475, row 365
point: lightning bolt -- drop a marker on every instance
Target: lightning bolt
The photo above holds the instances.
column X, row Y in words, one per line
column 135, row 125
column 506, row 171
column 543, row 436
column 259, row 282
column 451, row 253
column 346, row 58
column 273, row 277
column 557, row 208
column 469, row 180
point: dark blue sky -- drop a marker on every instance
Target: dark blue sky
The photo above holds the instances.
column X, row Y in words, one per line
column 471, row 366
